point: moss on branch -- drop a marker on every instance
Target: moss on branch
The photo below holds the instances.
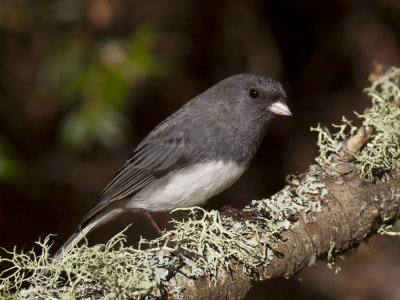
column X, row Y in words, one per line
column 208, row 244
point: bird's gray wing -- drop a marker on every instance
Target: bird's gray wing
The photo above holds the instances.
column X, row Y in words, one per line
column 161, row 152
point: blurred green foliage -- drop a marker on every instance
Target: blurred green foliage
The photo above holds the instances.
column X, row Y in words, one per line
column 11, row 167
column 23, row 15
column 88, row 73
column 90, row 76
column 94, row 81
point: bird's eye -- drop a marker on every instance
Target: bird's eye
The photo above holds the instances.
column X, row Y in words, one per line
column 253, row 93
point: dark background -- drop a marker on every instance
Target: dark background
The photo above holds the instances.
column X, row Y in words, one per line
column 81, row 83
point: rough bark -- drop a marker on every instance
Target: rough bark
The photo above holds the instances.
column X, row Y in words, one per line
column 353, row 209
column 351, row 214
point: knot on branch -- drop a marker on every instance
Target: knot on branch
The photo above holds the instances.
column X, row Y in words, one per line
column 353, row 144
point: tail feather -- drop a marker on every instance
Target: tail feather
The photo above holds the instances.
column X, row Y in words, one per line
column 74, row 239
column 104, row 217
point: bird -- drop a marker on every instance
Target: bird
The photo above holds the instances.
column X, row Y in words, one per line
column 194, row 154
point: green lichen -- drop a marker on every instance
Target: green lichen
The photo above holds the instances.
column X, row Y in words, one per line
column 111, row 270
column 300, row 195
column 205, row 243
column 386, row 229
column 332, row 256
column 381, row 154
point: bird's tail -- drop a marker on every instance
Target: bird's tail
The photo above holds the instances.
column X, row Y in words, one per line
column 74, row 239
column 104, row 217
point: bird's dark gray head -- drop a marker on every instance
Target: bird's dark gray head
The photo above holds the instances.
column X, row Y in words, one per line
column 248, row 96
column 237, row 111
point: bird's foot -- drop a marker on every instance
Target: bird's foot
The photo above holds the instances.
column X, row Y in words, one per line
column 238, row 214
column 178, row 250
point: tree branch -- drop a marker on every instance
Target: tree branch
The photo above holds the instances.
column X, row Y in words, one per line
column 352, row 193
column 354, row 210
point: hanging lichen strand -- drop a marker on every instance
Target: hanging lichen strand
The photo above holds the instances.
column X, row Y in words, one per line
column 382, row 152
column 206, row 243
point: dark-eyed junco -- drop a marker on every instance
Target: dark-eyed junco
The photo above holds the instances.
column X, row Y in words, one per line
column 194, row 154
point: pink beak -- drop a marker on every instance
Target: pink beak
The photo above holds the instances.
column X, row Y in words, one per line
column 280, row 108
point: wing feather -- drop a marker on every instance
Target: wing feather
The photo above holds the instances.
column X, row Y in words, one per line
column 156, row 156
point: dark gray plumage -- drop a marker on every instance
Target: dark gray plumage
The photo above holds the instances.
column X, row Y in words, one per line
column 194, row 154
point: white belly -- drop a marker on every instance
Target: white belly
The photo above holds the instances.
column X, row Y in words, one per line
column 188, row 187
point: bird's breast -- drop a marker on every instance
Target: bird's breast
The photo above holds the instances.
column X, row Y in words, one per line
column 188, row 186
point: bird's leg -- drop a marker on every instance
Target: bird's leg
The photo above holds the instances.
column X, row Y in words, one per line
column 152, row 222
column 171, row 244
